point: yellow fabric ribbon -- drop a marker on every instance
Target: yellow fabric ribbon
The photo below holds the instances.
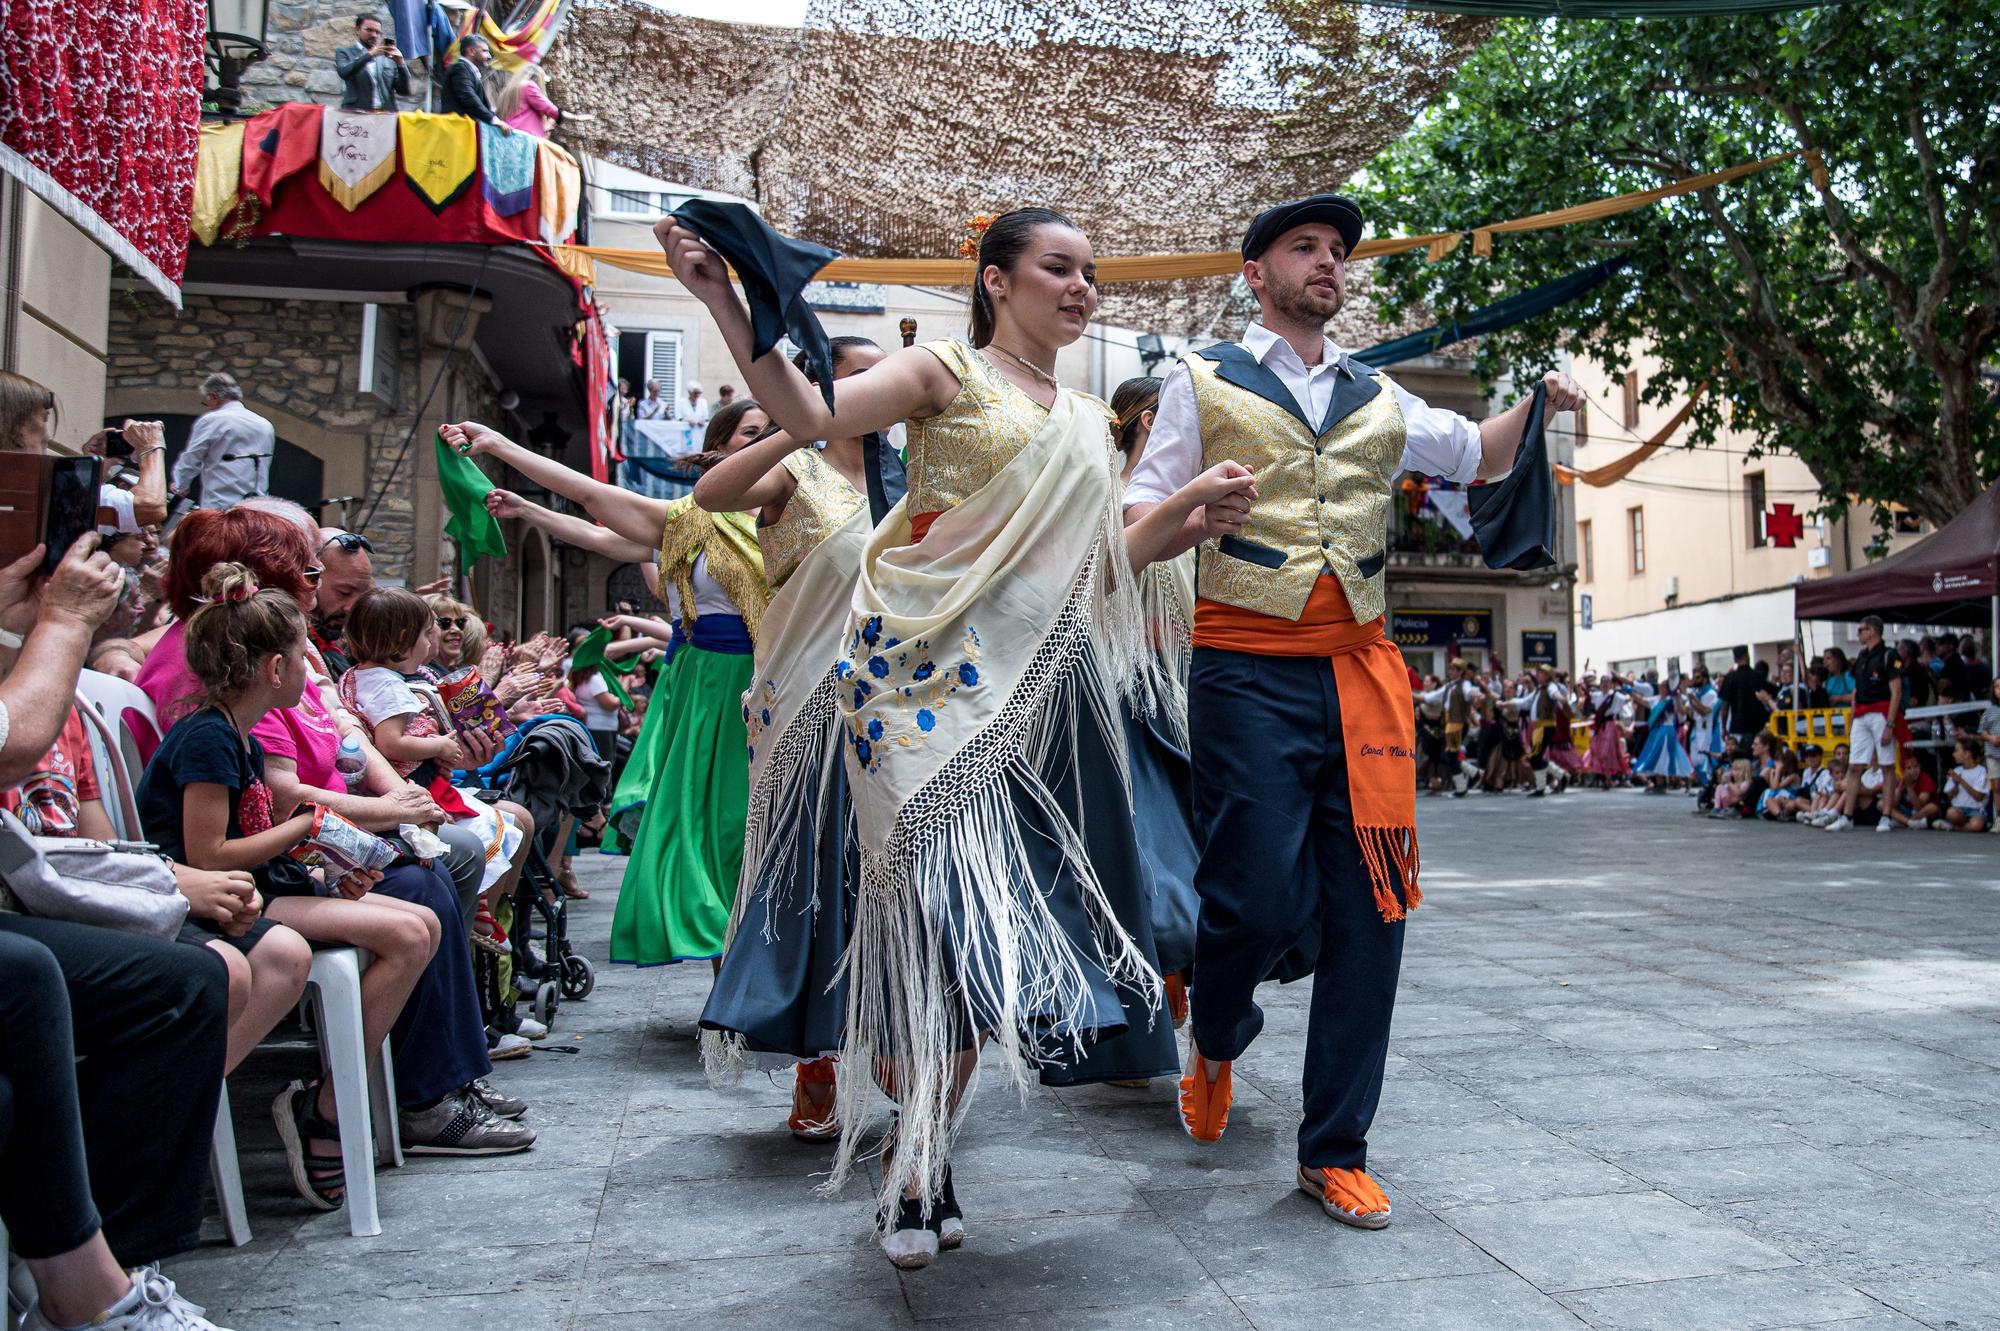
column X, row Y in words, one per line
column 1619, row 468
column 1228, row 263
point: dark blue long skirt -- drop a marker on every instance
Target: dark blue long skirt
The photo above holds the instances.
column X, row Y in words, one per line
column 1163, row 824
column 777, row 987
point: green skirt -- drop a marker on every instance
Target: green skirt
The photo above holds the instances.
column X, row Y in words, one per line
column 687, row 851
column 642, row 768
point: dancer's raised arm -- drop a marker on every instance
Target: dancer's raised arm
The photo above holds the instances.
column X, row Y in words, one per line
column 504, row 504
column 635, row 517
column 909, row 383
column 751, row 478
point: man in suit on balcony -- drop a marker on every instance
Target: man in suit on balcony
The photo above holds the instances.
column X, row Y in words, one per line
column 372, row 69
column 463, row 93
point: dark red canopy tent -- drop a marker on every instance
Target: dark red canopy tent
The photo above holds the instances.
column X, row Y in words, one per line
column 1950, row 577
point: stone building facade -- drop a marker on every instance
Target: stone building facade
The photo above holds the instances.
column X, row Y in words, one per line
column 302, row 36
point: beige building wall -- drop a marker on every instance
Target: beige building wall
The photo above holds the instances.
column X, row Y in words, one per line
column 56, row 310
column 1706, row 581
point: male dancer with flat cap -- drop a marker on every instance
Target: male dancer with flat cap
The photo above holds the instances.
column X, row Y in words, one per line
column 1302, row 735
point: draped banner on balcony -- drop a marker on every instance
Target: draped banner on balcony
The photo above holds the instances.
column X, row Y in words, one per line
column 100, row 107
column 277, row 145
column 510, row 169
column 440, row 155
column 267, row 192
column 357, row 154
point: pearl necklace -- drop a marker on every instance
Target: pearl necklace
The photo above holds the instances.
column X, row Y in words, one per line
column 1026, row 364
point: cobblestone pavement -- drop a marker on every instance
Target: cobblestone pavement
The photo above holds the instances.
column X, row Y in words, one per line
column 1649, row 1072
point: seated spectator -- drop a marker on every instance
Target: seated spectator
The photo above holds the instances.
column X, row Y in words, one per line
column 1781, row 789
column 1799, row 803
column 1978, row 673
column 1732, row 792
column 1915, row 802
column 1826, row 805
column 95, row 1023
column 1969, row 789
column 145, row 1016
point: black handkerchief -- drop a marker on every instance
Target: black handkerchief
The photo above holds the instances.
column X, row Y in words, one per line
column 774, row 270
column 1514, row 519
column 886, row 481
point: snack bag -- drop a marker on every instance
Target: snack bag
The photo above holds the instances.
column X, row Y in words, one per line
column 339, row 847
column 472, row 704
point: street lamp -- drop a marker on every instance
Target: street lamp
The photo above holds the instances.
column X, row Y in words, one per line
column 236, row 30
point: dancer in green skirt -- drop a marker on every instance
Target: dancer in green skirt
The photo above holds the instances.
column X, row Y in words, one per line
column 687, row 840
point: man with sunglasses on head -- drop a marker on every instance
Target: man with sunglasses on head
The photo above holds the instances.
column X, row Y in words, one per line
column 348, row 572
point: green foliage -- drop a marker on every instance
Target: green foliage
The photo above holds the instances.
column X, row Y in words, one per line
column 1847, row 326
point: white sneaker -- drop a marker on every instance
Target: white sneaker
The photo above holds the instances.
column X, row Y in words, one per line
column 152, row 1305
column 1885, row 826
column 531, row 1030
column 1839, row 824
column 510, row 1046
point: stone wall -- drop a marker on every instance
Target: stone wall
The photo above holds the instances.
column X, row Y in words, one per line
column 302, row 36
column 301, row 360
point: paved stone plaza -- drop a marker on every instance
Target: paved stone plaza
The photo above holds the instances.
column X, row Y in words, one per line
column 1649, row 1072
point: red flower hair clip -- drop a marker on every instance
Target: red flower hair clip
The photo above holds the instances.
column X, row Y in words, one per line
column 976, row 229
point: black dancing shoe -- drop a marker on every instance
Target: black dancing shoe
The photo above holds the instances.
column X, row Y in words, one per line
column 946, row 1217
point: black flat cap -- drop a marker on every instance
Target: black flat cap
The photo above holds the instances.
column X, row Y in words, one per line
column 1338, row 212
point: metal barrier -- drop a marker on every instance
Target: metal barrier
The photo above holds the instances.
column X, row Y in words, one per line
column 1824, row 726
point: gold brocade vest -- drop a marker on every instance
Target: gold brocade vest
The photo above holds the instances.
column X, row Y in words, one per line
column 729, row 541
column 1323, row 496
column 822, row 500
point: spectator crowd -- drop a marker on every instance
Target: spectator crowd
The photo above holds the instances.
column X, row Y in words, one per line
column 305, row 785
column 1864, row 762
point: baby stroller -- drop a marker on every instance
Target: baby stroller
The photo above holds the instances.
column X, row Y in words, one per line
column 551, row 767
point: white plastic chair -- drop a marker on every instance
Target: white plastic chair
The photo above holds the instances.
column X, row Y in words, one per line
column 364, row 1088
column 126, row 709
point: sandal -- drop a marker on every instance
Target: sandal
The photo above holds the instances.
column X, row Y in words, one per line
column 320, row 1180
column 486, row 932
column 567, row 881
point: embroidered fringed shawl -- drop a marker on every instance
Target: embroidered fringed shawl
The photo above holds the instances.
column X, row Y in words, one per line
column 971, row 659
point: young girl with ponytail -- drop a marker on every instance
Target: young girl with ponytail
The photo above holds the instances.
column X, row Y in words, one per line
column 203, row 800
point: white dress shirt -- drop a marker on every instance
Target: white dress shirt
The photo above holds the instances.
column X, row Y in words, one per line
column 229, row 450
column 1436, row 442
column 650, row 409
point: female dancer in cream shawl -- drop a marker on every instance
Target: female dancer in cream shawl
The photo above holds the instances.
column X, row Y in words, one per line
column 779, row 991
column 995, row 624
column 687, row 851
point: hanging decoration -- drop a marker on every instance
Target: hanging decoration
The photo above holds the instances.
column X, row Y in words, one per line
column 357, row 154
column 100, row 111
column 440, row 155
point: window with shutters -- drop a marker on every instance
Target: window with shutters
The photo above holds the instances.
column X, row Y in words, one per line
column 1631, row 387
column 1635, row 525
column 1753, row 508
column 1586, row 550
column 663, row 365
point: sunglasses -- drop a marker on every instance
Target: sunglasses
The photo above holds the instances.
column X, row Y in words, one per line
column 451, row 621
column 314, row 574
column 349, row 541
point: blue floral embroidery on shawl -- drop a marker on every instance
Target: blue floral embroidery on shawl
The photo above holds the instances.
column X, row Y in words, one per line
column 913, row 684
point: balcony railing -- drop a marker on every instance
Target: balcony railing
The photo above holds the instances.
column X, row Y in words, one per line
column 1429, row 541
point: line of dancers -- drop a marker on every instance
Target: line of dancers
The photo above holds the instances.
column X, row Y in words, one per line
column 1075, row 721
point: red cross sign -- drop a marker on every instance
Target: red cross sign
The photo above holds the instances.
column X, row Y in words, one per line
column 1783, row 526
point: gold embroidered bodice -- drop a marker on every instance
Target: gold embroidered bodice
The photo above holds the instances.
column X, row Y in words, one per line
column 957, row 451
column 821, row 502
column 1323, row 500
column 729, row 542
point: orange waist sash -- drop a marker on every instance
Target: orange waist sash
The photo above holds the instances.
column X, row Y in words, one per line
column 1377, row 721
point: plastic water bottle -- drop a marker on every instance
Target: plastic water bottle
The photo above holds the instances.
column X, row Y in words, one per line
column 350, row 762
